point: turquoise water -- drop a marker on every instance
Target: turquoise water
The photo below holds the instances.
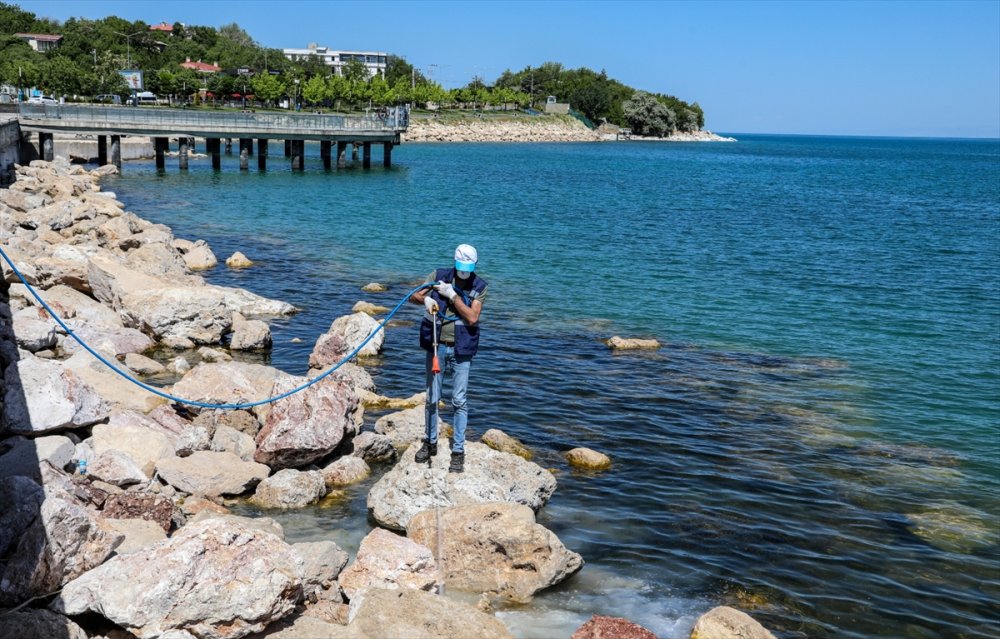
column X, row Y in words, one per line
column 816, row 443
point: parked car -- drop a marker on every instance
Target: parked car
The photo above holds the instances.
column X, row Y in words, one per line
column 42, row 99
column 108, row 98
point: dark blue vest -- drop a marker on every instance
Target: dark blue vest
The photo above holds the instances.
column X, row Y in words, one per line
column 466, row 337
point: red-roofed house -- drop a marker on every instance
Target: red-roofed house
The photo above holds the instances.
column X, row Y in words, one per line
column 163, row 26
column 41, row 42
column 201, row 67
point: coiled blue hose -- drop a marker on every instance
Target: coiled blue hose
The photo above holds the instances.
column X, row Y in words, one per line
column 189, row 402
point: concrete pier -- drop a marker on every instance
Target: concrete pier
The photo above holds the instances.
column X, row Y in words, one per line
column 324, row 152
column 366, row 155
column 298, row 154
column 214, row 146
column 229, row 146
column 341, row 155
column 160, row 146
column 102, row 150
column 288, row 148
column 182, row 153
column 244, row 159
column 116, row 151
column 262, row 154
column 354, row 152
column 387, row 154
column 45, row 146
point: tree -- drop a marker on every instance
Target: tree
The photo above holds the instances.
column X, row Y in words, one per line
column 647, row 115
column 267, row 87
column 315, row 90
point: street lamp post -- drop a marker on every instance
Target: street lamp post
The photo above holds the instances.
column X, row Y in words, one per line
column 128, row 58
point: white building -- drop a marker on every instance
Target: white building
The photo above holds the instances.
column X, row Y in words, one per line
column 374, row 61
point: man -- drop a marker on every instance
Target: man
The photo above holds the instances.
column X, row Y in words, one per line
column 453, row 304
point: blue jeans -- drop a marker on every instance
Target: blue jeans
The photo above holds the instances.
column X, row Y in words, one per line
column 459, row 366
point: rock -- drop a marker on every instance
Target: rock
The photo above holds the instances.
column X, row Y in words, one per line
column 238, row 260
column 360, row 379
column 107, row 169
column 369, row 309
column 329, row 611
column 228, row 382
column 82, row 307
column 239, row 420
column 36, row 623
column 345, row 335
column 213, row 355
column 374, row 287
column 587, row 458
column 116, row 468
column 141, row 505
column 200, row 257
column 192, row 440
column 191, row 506
column 230, row 440
column 32, row 332
column 182, row 245
column 381, row 402
column 305, row 626
column 144, row 365
column 373, row 448
column 724, row 622
column 489, row 476
column 162, row 261
column 626, row 344
column 115, row 390
column 22, row 498
column 64, row 542
column 22, row 456
column 415, row 613
column 41, row 396
column 163, row 420
column 407, row 427
column 176, row 585
column 386, row 560
column 345, row 471
column 495, row 549
column 264, row 524
column 321, row 562
column 146, row 447
column 250, row 335
column 306, row 426
column 601, row 627
column 111, row 341
column 289, row 488
column 501, row 441
column 210, row 474
column 139, row 534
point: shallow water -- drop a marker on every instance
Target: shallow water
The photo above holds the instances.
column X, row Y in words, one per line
column 817, row 442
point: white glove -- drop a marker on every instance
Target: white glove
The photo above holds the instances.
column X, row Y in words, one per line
column 445, row 290
column 430, row 305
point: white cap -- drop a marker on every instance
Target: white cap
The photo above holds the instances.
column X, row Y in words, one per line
column 466, row 257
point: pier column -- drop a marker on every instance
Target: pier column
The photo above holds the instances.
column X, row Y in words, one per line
column 246, row 144
column 298, row 151
column 229, row 146
column 182, row 152
column 244, row 159
column 366, row 156
column 354, row 152
column 116, row 151
column 102, row 150
column 324, row 152
column 288, row 148
column 387, row 154
column 159, row 148
column 341, row 155
column 262, row 154
column 213, row 146
column 45, row 146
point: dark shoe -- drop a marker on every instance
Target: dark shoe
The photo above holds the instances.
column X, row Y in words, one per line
column 457, row 463
column 426, row 452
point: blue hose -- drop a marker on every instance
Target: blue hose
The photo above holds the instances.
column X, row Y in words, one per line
column 188, row 402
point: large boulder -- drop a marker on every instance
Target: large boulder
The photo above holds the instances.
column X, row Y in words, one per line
column 34, row 330
column 406, row 427
column 373, row 448
column 601, row 627
column 215, row 579
column 230, row 440
column 724, row 622
column 321, row 562
column 386, row 560
column 499, row 440
column 200, row 257
column 249, row 335
column 22, row 498
column 144, row 446
column 116, row 468
column 308, row 425
column 115, row 341
column 490, row 476
column 346, row 334
column 417, row 614
column 345, row 471
column 147, row 506
column 117, row 391
column 41, row 396
column 65, row 541
column 139, row 534
column 289, row 488
column 211, row 474
column 228, row 383
column 496, row 549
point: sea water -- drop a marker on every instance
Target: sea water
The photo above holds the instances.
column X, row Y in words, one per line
column 817, row 441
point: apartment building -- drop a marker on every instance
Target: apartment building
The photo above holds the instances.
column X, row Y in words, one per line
column 374, row 61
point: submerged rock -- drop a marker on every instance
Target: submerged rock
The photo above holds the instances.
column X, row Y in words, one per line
column 501, row 441
column 630, row 343
column 724, row 622
column 587, row 458
column 238, row 260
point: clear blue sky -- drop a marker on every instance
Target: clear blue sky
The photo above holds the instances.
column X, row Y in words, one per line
column 852, row 68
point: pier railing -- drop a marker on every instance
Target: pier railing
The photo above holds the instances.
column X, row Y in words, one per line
column 392, row 120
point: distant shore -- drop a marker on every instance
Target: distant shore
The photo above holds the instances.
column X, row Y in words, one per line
column 526, row 129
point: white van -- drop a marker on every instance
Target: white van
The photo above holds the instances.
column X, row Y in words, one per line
column 144, row 97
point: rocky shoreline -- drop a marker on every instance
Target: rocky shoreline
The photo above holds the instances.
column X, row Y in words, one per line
column 115, row 518
column 527, row 129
